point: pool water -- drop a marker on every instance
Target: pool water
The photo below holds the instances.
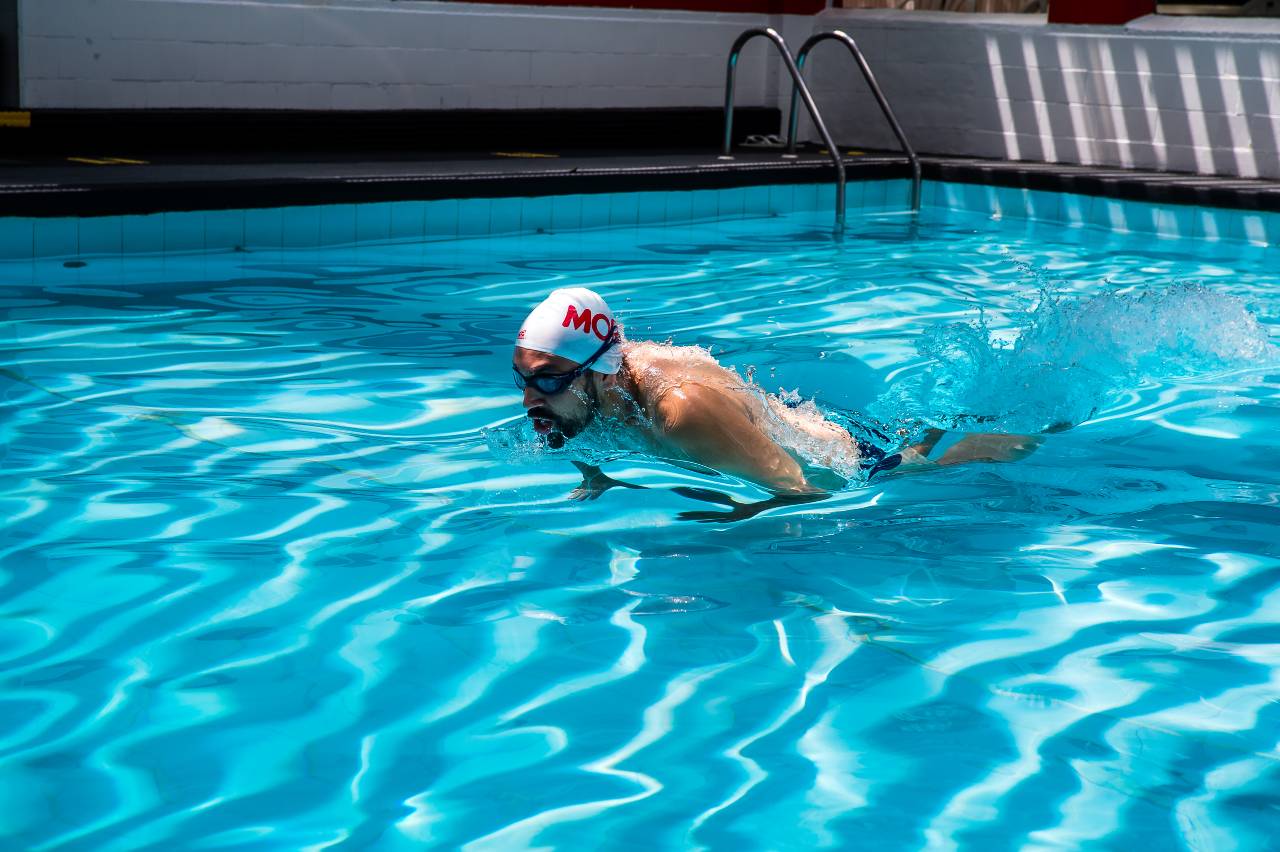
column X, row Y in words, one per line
column 283, row 568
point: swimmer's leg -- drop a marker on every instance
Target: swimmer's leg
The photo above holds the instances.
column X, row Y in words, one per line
column 990, row 448
column 987, row 447
column 915, row 457
column 930, row 440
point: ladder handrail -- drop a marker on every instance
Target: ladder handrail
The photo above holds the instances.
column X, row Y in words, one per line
column 798, row 87
column 847, row 41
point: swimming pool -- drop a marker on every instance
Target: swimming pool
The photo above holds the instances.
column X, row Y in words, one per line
column 281, row 570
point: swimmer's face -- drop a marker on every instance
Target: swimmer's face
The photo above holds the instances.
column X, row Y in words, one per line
column 556, row 416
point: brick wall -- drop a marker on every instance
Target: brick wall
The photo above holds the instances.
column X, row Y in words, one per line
column 378, row 54
column 1184, row 94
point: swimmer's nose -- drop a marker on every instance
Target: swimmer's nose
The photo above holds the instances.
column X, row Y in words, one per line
column 531, row 397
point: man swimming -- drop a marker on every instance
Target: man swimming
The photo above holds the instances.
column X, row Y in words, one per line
column 574, row 366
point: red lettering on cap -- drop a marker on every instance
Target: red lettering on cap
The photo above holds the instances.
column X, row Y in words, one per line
column 520, row 336
column 581, row 321
column 608, row 326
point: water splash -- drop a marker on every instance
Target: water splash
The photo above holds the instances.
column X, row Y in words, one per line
column 1069, row 355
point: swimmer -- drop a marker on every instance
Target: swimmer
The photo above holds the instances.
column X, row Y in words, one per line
column 574, row 366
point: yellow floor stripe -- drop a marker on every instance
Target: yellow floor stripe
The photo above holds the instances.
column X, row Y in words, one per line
column 15, row 119
column 528, row 155
column 107, row 161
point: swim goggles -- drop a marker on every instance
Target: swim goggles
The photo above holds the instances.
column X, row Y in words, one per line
column 551, row 384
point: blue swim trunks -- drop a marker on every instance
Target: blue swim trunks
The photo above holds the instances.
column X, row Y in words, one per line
column 874, row 460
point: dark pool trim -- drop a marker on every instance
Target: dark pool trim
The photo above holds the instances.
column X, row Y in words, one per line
column 142, row 190
column 1126, row 184
column 330, row 185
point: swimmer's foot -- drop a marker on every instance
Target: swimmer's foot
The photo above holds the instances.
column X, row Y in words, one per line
column 991, row 448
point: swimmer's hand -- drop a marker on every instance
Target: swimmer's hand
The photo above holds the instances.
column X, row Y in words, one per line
column 595, row 483
column 738, row 510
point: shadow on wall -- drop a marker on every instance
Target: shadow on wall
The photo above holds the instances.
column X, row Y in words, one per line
column 1207, row 106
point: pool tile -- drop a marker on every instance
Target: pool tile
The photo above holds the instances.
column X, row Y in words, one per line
column 897, row 195
column 1175, row 221
column 1205, row 225
column 1111, row 214
column 624, row 209
column 1230, row 224
column 504, row 216
column 535, row 215
column 825, row 198
column 301, row 227
column 952, row 196
column 731, row 204
column 705, row 204
column 1271, row 223
column 1044, row 206
column 143, row 234
column 473, row 216
column 595, row 210
column 679, row 207
column 566, row 212
column 1009, row 203
column 183, row 231
column 806, row 197
column 263, row 228
column 1143, row 218
column 756, row 201
column 930, row 193
column 1074, row 209
column 442, row 219
column 782, row 198
column 855, row 197
column 981, row 199
column 373, row 222
column 101, row 235
column 337, row 224
column 1254, row 228
column 409, row 220
column 17, row 238
column 223, row 229
column 651, row 208
column 56, row 237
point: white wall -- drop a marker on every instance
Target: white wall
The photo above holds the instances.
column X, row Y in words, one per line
column 378, row 54
column 1197, row 95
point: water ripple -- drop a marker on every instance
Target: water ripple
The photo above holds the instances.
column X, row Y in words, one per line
column 263, row 583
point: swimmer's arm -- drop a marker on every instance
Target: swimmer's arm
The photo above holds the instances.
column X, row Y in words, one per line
column 698, row 422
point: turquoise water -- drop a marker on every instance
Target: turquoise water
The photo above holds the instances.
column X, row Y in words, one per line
column 282, row 568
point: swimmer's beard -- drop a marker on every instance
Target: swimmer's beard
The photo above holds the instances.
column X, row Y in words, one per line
column 558, row 431
column 553, row 433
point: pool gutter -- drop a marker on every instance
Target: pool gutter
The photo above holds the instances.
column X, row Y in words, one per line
column 111, row 189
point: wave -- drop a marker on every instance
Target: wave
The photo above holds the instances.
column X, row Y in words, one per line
column 1069, row 355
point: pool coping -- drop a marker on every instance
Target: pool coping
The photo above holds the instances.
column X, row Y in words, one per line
column 60, row 191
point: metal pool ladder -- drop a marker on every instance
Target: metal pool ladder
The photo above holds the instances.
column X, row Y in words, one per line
column 799, row 88
column 844, row 38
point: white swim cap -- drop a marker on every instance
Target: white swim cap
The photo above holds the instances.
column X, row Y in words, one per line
column 573, row 323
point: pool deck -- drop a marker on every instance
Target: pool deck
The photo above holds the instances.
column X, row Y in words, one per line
column 103, row 185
